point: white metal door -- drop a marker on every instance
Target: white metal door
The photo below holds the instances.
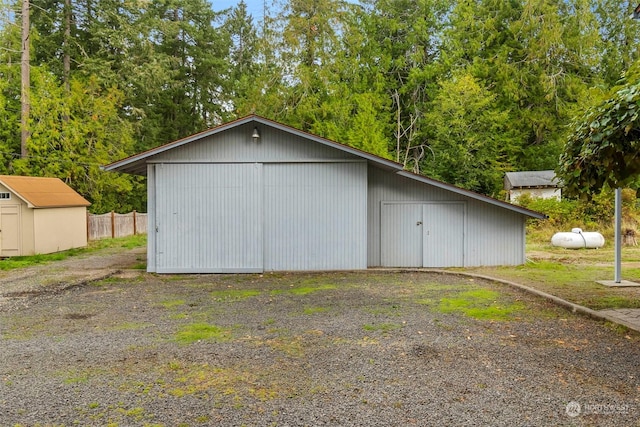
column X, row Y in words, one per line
column 9, row 230
column 443, row 235
column 401, row 235
column 314, row 216
column 209, row 218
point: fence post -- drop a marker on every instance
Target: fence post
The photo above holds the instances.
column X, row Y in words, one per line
column 135, row 228
column 88, row 226
column 113, row 224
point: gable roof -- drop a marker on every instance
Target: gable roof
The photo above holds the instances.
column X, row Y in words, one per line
column 137, row 164
column 39, row 192
column 530, row 179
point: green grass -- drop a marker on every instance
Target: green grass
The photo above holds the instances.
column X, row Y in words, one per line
column 314, row 310
column 27, row 261
column 202, row 332
column 130, row 242
column 382, row 327
column 303, row 290
column 482, row 304
column 172, row 303
column 573, row 274
column 234, row 294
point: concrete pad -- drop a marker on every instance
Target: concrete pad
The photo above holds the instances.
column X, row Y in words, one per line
column 629, row 317
column 622, row 284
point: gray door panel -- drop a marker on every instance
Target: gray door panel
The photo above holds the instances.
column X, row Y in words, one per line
column 443, row 238
column 401, row 235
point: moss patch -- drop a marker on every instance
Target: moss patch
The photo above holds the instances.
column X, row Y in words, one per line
column 303, row 290
column 480, row 304
column 200, row 332
column 234, row 294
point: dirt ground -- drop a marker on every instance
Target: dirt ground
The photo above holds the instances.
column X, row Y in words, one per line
column 363, row 348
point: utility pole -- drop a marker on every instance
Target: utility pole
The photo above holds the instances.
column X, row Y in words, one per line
column 66, row 58
column 25, row 85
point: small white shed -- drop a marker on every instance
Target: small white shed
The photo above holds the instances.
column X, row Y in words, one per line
column 40, row 216
column 542, row 184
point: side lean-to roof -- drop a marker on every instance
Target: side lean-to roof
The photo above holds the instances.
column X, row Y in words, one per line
column 531, row 179
column 137, row 164
column 38, row 192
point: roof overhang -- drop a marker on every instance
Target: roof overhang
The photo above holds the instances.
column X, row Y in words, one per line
column 472, row 195
column 137, row 164
column 43, row 192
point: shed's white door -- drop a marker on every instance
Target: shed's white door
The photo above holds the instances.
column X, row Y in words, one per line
column 422, row 234
column 443, row 235
column 9, row 230
column 401, row 235
column 209, row 218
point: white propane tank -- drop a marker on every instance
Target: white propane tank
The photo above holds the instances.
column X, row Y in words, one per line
column 577, row 239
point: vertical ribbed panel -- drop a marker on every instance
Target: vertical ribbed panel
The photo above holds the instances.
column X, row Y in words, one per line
column 401, row 235
column 152, row 209
column 494, row 236
column 237, row 146
column 314, row 216
column 209, row 218
column 443, row 233
column 422, row 234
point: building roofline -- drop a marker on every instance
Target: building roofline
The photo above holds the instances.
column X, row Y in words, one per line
column 472, row 194
column 125, row 164
column 134, row 163
column 35, row 202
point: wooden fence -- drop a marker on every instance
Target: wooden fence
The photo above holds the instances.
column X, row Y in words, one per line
column 113, row 224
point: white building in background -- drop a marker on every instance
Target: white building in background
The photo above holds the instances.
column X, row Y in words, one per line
column 542, row 184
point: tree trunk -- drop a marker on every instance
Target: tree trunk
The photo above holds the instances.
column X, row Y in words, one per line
column 66, row 59
column 25, row 74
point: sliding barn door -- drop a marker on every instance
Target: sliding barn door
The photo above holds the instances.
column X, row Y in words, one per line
column 209, row 218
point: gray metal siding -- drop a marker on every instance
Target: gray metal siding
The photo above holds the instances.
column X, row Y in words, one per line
column 494, row 236
column 209, row 218
column 314, row 216
column 401, row 235
column 443, row 228
column 236, row 146
column 423, row 234
column 151, row 218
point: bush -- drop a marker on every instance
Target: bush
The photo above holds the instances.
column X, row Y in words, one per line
column 596, row 214
column 557, row 211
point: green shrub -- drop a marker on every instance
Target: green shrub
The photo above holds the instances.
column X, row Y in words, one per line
column 596, row 214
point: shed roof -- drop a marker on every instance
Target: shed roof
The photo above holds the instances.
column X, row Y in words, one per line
column 137, row 164
column 531, row 179
column 40, row 192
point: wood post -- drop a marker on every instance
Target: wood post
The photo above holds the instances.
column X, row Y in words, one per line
column 113, row 224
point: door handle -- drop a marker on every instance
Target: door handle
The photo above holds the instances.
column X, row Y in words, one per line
column 419, row 223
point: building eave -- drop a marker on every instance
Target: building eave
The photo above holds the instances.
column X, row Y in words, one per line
column 473, row 195
column 137, row 164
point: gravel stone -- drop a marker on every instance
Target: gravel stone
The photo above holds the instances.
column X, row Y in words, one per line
column 302, row 349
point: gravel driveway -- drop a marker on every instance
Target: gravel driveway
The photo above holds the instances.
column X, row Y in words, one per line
column 335, row 349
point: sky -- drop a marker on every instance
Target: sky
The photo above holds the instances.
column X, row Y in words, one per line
column 254, row 7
